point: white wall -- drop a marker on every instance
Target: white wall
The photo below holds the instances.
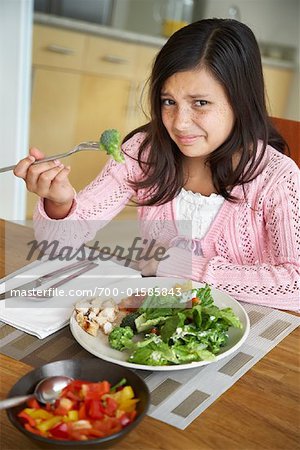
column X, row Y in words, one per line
column 140, row 16
column 274, row 21
column 15, row 63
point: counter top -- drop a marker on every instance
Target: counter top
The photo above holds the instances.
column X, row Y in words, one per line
column 124, row 35
column 100, row 30
column 278, row 63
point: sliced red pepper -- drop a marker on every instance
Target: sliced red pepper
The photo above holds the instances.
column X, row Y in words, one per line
column 60, row 431
column 94, row 391
column 59, row 411
column 127, row 418
column 102, row 425
column 82, row 411
column 115, row 429
column 33, row 403
column 111, row 406
column 154, row 330
column 106, row 425
column 113, row 423
column 78, row 435
column 73, row 390
column 124, row 420
column 48, row 407
column 76, row 397
column 93, row 432
column 95, row 409
column 27, row 417
column 62, row 406
column 28, row 427
column 132, row 415
column 73, row 386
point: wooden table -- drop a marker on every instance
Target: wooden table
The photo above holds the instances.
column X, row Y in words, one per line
column 260, row 411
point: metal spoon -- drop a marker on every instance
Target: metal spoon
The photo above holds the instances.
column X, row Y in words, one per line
column 46, row 391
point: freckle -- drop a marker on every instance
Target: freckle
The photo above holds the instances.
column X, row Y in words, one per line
column 223, row 109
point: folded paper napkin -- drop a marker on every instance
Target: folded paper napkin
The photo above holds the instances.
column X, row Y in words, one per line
column 42, row 317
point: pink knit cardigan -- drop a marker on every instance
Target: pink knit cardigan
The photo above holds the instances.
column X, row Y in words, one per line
column 251, row 250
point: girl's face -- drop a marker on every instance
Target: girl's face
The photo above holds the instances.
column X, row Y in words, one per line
column 196, row 112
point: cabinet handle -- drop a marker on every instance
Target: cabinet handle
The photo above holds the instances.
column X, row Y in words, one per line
column 59, row 49
column 114, row 59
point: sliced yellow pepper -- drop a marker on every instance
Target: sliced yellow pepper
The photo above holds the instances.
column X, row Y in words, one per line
column 115, row 395
column 38, row 413
column 125, row 399
column 128, row 405
column 29, row 411
column 48, row 424
column 73, row 415
column 126, row 393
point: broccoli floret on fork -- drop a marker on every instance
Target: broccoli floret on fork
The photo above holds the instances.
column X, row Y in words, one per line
column 110, row 142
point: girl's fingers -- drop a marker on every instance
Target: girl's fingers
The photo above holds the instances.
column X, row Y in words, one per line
column 46, row 179
column 22, row 167
column 40, row 176
column 63, row 174
column 55, row 186
column 36, row 153
column 149, row 269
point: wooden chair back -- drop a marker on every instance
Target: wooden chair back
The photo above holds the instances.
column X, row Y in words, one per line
column 290, row 130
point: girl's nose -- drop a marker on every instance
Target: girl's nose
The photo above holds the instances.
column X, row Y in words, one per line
column 183, row 118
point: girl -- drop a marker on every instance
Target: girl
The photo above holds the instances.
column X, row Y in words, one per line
column 208, row 174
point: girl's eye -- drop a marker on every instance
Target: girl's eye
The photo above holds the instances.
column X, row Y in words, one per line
column 201, row 102
column 167, row 102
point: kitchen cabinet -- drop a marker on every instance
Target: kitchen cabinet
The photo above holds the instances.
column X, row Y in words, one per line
column 103, row 103
column 138, row 111
column 54, row 109
column 105, row 89
column 81, row 85
column 110, row 57
column 53, row 47
column 278, row 81
column 57, row 60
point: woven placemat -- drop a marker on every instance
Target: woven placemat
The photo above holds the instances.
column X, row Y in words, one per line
column 179, row 396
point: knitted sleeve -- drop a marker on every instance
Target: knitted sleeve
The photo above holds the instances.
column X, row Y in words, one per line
column 273, row 282
column 94, row 206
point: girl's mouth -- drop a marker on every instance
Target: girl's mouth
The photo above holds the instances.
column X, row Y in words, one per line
column 187, row 140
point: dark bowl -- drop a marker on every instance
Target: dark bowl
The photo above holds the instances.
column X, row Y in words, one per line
column 89, row 370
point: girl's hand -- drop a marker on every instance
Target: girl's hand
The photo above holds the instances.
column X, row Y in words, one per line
column 148, row 266
column 48, row 180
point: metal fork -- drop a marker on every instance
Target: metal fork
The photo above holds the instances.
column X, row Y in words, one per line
column 50, row 291
column 84, row 146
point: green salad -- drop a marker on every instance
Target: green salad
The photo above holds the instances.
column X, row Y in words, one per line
column 174, row 329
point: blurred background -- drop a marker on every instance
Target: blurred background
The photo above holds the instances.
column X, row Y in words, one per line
column 72, row 68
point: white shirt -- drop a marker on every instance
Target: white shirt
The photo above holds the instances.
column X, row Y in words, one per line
column 194, row 215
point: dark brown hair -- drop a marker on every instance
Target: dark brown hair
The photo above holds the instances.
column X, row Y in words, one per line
column 229, row 50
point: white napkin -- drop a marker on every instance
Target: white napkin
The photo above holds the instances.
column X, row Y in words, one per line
column 42, row 317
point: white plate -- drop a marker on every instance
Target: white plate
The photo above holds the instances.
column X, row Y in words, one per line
column 99, row 346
